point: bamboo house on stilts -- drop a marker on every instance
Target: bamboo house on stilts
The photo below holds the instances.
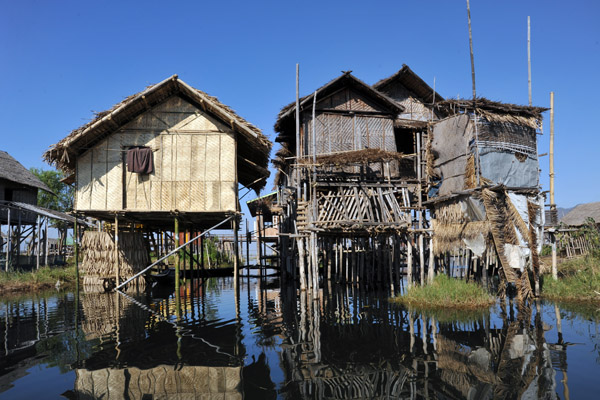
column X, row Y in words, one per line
column 350, row 180
column 162, row 162
column 484, row 192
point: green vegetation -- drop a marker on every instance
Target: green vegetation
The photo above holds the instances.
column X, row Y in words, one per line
column 579, row 280
column 45, row 277
column 445, row 293
column 61, row 198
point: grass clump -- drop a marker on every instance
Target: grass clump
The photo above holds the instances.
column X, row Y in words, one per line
column 446, row 293
column 45, row 277
column 578, row 280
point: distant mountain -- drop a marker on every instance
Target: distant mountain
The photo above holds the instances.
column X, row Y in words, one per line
column 563, row 211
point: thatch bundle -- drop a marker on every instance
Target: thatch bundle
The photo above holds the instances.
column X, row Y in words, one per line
column 430, row 157
column 99, row 256
column 470, row 173
column 449, row 237
column 451, row 213
column 357, row 157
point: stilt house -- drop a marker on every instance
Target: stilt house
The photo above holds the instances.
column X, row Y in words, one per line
column 19, row 185
column 485, row 194
column 25, row 221
column 350, row 180
column 168, row 151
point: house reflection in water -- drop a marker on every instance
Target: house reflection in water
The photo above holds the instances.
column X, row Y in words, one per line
column 142, row 355
column 363, row 347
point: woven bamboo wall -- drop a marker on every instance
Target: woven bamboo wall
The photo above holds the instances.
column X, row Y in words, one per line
column 194, row 162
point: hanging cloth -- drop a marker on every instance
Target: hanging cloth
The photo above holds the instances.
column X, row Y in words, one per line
column 139, row 160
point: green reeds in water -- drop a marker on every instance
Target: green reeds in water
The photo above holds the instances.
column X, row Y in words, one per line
column 446, row 293
column 45, row 277
column 578, row 281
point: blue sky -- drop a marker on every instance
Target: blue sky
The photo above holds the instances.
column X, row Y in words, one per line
column 62, row 60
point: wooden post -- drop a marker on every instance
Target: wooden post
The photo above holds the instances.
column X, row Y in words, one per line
column 177, row 258
column 18, row 263
column 117, row 272
column 37, row 244
column 409, row 260
column 529, row 57
column 8, row 240
column 552, row 203
column 46, row 244
column 75, row 249
column 236, row 262
column 247, row 244
column 431, row 268
column 471, row 51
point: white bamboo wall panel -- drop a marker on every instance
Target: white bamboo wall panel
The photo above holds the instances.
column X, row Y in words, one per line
column 194, row 164
column 84, row 181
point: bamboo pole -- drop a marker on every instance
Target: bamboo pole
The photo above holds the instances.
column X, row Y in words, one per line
column 409, row 260
column 529, row 57
column 37, row 244
column 46, row 244
column 8, row 240
column 117, row 272
column 471, row 51
column 177, row 258
column 75, row 250
column 552, row 203
column 236, row 261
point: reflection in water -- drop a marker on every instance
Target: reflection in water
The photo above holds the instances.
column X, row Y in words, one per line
column 265, row 342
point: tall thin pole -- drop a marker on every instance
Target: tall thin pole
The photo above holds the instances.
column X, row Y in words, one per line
column 474, row 94
column 236, row 260
column 552, row 203
column 8, row 240
column 75, row 249
column 471, row 48
column 529, row 57
column 177, row 258
column 117, row 272
column 298, row 148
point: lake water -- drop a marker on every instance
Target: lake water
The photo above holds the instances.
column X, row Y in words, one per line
column 266, row 343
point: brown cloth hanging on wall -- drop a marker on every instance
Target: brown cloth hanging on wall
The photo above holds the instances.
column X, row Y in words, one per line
column 139, row 160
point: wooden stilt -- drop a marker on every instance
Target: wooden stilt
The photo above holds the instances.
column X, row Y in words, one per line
column 177, row 256
column 236, row 261
column 117, row 266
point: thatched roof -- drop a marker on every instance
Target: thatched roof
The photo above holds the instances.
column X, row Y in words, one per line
column 412, row 82
column 494, row 111
column 579, row 215
column 344, row 80
column 252, row 146
column 13, row 171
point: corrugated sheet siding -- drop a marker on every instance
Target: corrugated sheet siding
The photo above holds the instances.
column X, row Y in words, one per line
column 194, row 164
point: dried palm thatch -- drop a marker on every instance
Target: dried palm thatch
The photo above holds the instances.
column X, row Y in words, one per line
column 495, row 111
column 357, row 157
column 504, row 222
column 281, row 162
column 532, row 211
column 470, row 173
column 451, row 213
column 99, row 255
column 496, row 215
column 450, row 237
column 430, row 156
